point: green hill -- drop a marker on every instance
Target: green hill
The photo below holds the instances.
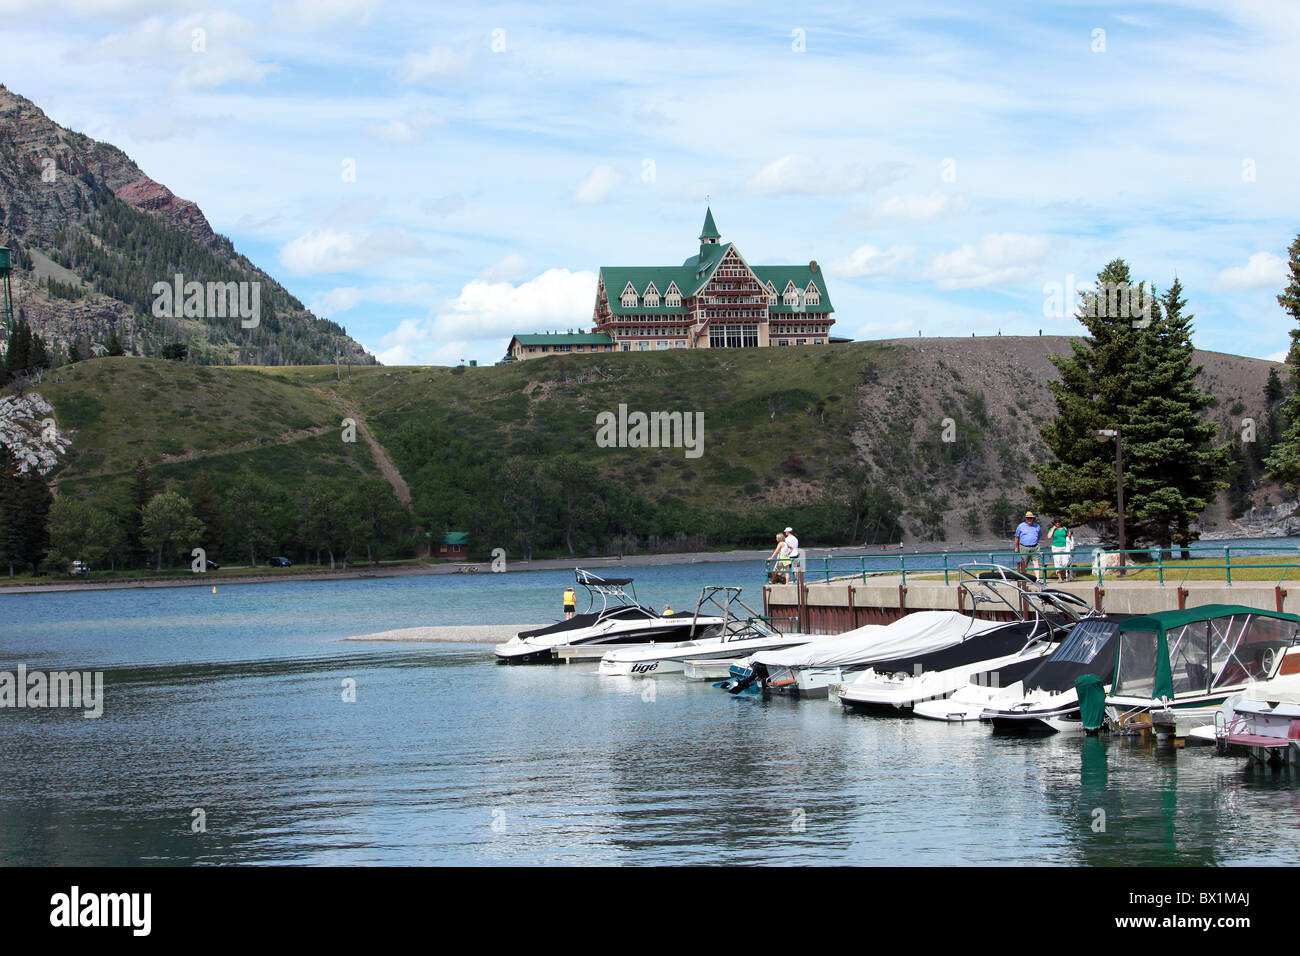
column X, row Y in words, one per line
column 874, row 441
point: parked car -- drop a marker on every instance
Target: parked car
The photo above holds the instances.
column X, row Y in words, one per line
column 279, row 562
column 213, row 566
column 80, row 568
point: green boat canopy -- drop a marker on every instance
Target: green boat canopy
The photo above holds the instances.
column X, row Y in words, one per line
column 1166, row 620
column 1161, row 624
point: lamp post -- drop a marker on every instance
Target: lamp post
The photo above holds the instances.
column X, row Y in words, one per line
column 1102, row 435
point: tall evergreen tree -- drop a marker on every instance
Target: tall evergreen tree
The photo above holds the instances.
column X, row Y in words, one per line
column 206, row 501
column 1284, row 463
column 140, row 493
column 1174, row 470
column 1078, row 484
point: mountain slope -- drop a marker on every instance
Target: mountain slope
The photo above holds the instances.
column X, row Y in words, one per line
column 91, row 234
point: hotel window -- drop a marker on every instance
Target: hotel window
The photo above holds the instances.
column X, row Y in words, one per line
column 564, row 348
column 663, row 345
column 800, row 341
column 812, row 296
column 643, row 346
column 679, row 344
column 627, row 346
column 734, row 336
column 629, row 297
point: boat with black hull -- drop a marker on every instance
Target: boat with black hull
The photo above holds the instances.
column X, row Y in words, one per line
column 613, row 616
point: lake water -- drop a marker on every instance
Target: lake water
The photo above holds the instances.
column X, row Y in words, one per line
column 233, row 704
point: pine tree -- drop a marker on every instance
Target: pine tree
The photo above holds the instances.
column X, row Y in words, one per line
column 1284, row 463
column 1174, row 471
column 114, row 345
column 140, row 493
column 1079, row 483
column 206, row 501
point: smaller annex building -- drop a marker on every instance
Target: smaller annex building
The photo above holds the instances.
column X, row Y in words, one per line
column 551, row 343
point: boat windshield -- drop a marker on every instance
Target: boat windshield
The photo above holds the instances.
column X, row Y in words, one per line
column 1089, row 648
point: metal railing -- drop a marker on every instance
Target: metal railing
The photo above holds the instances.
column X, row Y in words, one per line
column 833, row 567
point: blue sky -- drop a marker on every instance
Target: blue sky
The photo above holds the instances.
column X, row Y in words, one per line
column 948, row 164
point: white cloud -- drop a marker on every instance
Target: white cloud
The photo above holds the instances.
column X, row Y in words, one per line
column 597, row 185
column 205, row 50
column 1278, row 356
column 870, row 260
column 401, row 131
column 330, row 250
column 998, row 259
column 555, row 299
column 318, row 14
column 510, row 269
column 920, row 208
column 796, row 175
column 349, row 297
column 1263, row 271
column 440, row 61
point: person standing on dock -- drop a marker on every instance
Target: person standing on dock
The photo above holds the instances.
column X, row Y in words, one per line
column 792, row 552
column 1027, row 535
column 570, row 602
column 1061, row 542
column 776, row 571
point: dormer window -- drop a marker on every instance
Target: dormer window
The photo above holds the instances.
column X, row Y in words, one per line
column 651, row 296
column 771, row 293
column 629, row 297
column 790, row 296
column 673, row 297
column 811, row 295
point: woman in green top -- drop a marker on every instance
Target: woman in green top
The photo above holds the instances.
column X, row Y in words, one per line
column 1060, row 548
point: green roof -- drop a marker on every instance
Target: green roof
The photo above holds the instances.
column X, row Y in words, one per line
column 710, row 231
column 456, row 537
column 1165, row 620
column 565, row 338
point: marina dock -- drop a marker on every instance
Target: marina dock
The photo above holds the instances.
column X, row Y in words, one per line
column 820, row 607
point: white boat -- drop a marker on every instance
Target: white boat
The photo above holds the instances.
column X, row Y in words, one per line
column 809, row 669
column 735, row 637
column 1175, row 668
column 1045, row 699
column 613, row 617
column 1263, row 721
column 903, row 684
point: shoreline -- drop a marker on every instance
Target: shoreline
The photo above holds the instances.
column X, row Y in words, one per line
column 538, row 564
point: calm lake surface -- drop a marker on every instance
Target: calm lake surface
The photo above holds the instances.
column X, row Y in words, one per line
column 232, row 703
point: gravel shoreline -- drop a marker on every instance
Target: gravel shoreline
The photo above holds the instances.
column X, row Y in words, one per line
column 457, row 634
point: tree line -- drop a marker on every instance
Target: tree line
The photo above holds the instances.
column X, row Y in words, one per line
column 146, row 524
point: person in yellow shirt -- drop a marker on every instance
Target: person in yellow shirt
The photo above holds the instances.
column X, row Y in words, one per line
column 570, row 602
column 668, row 612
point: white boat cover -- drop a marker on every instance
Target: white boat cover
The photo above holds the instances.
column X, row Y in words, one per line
column 1284, row 689
column 918, row 633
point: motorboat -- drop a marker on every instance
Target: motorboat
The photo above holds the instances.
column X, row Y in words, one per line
column 902, row 683
column 1045, row 699
column 1030, row 613
column 809, row 669
column 1263, row 721
column 736, row 637
column 1176, row 668
column 612, row 616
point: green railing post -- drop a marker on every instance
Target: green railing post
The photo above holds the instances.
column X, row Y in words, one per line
column 1227, row 563
column 945, row 568
column 1160, row 565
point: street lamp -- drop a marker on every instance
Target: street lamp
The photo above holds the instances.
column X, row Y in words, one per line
column 1103, row 435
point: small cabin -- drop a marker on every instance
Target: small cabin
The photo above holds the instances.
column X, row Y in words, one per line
column 455, row 544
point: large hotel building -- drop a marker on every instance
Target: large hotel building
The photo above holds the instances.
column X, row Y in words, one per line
column 715, row 299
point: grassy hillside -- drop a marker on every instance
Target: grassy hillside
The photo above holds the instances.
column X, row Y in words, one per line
column 782, row 428
column 182, row 418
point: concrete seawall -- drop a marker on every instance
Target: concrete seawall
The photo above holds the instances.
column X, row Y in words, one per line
column 841, row 605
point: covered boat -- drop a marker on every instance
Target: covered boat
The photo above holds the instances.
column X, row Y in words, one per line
column 903, row 683
column 809, row 669
column 1178, row 667
column 1046, row 700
